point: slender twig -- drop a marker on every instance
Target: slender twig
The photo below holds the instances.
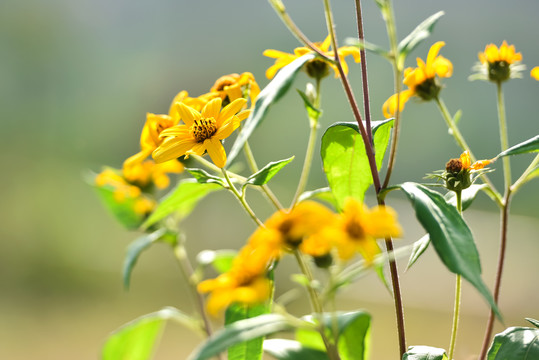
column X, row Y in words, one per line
column 458, row 288
column 241, row 199
column 524, row 177
column 503, row 135
column 310, row 149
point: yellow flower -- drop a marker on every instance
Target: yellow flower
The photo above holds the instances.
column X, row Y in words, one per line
column 458, row 174
column 535, row 73
column 203, row 131
column 245, row 283
column 148, row 172
column 123, row 191
column 466, row 161
column 498, row 64
column 231, row 87
column 421, row 81
column 358, row 227
column 316, row 67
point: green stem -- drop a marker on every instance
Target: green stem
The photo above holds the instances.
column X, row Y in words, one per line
column 456, row 311
column 454, row 130
column 313, row 122
column 503, row 135
column 524, row 177
column 241, row 199
column 316, row 305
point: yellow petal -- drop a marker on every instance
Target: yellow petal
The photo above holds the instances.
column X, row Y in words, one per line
column 212, row 108
column 187, row 113
column 465, row 159
column 433, row 52
column 276, row 54
column 229, row 110
column 178, row 130
column 535, row 73
column 443, row 67
column 173, row 112
column 226, row 129
column 216, row 151
column 172, row 148
column 326, row 44
column 389, row 108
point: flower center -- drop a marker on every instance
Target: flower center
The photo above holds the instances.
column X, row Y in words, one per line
column 203, row 129
column 355, row 230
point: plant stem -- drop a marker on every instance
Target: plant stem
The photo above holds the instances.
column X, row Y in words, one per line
column 254, row 168
column 456, row 310
column 499, row 272
column 503, row 135
column 241, row 199
column 316, row 305
column 454, row 130
column 524, row 177
column 313, row 123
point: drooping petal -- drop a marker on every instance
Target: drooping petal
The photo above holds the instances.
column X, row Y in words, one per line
column 216, row 151
column 187, row 113
column 350, row 50
column 212, row 108
column 233, row 92
column 480, row 164
column 390, row 106
column 172, row 148
column 443, row 67
column 382, row 223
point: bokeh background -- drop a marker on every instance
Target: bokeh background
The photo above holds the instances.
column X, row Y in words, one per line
column 76, row 79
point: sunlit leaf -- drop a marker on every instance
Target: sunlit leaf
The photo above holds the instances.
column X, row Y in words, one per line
column 137, row 339
column 345, row 159
column 267, row 97
column 181, row 200
column 450, row 236
column 240, row 331
column 420, row 33
column 515, row 343
column 204, row 177
column 353, row 330
column 424, row 353
column 251, row 349
column 282, row 349
column 312, row 111
column 264, row 175
column 528, row 146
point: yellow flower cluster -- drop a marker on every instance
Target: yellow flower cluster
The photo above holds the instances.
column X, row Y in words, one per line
column 421, row 81
column 310, row 228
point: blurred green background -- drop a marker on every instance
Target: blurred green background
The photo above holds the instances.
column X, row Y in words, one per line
column 76, row 79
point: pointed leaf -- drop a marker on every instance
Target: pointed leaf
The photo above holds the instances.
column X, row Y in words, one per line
column 353, row 330
column 515, row 343
column 531, row 145
column 181, row 200
column 137, row 339
column 136, row 248
column 345, row 159
column 251, row 349
column 312, row 111
column 241, row 331
column 450, row 236
column 264, row 175
column 424, row 353
column 420, row 246
column 533, row 322
column 420, row 33
column 204, row 177
column 282, row 349
column 268, row 96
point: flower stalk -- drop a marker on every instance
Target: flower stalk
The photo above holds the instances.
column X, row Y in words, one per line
column 458, row 292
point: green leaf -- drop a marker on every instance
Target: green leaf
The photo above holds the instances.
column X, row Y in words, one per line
column 528, row 146
column 204, row 177
column 353, row 329
column 264, row 175
column 450, row 236
column 424, row 353
column 181, row 200
column 468, row 195
column 515, row 343
column 268, row 96
column 312, row 111
column 240, row 331
column 420, row 246
column 420, row 33
column 135, row 249
column 137, row 339
column 282, row 349
column 367, row 46
column 533, row 322
column 221, row 260
column 251, row 349
column 345, row 159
